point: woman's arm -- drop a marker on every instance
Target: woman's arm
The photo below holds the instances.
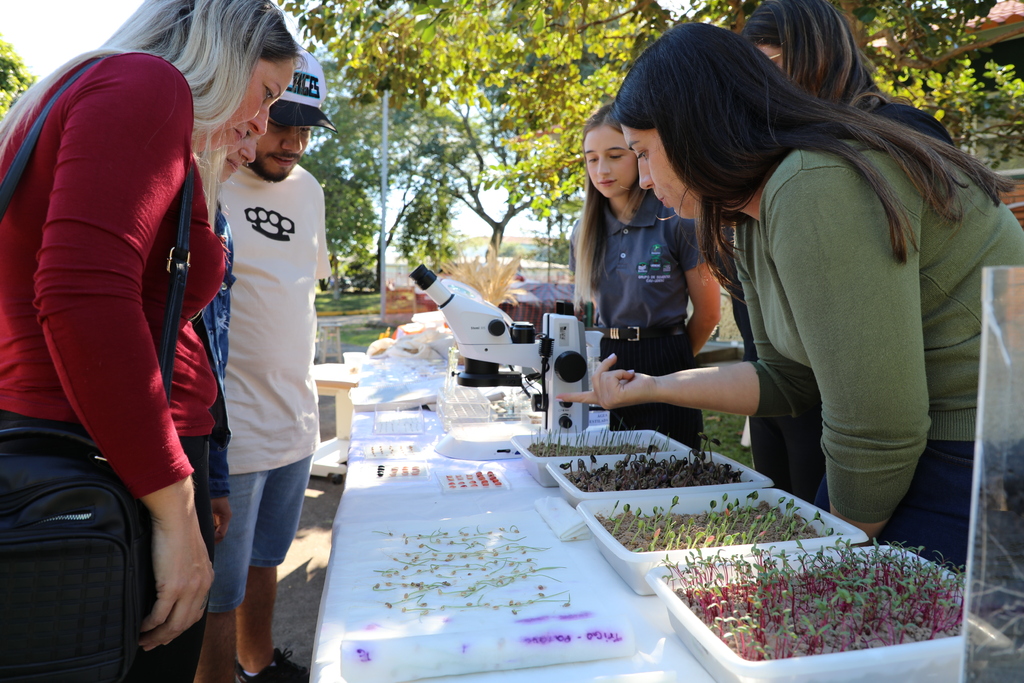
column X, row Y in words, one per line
column 93, row 310
column 181, row 564
column 872, row 529
column 838, row 303
column 729, row 389
column 705, row 293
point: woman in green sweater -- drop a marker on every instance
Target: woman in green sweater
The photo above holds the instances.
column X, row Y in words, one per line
column 861, row 272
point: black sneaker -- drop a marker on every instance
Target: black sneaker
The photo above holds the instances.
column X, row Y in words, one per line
column 285, row 671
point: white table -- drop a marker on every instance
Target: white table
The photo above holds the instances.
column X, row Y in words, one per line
column 660, row 656
column 335, row 379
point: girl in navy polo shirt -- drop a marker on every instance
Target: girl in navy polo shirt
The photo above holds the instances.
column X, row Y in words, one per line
column 638, row 262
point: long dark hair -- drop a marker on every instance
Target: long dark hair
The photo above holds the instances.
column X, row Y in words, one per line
column 819, row 52
column 592, row 235
column 726, row 116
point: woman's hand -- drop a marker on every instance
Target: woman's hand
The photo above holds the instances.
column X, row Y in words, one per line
column 872, row 529
column 614, row 388
column 221, row 517
column 729, row 389
column 181, row 564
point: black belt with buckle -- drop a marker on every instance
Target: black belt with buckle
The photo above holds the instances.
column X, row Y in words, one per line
column 638, row 333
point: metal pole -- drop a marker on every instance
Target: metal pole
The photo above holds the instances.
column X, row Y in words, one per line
column 383, row 205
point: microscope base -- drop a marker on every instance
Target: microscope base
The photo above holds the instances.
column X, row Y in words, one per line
column 480, row 442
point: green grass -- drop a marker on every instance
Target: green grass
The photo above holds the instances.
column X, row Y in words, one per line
column 348, row 304
column 359, row 335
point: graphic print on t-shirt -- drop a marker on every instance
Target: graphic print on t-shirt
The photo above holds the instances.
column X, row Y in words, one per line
column 270, row 223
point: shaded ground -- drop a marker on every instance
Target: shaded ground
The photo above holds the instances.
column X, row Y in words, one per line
column 300, row 580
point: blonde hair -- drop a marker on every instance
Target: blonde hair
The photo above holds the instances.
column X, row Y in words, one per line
column 592, row 235
column 215, row 44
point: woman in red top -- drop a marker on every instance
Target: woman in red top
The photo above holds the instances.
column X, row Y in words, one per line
column 83, row 278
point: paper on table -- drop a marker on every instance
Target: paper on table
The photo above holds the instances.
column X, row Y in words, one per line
column 547, row 640
column 567, row 524
column 467, row 595
column 385, row 396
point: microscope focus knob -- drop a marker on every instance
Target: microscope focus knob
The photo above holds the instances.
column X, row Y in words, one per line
column 571, row 366
column 565, row 422
column 496, row 327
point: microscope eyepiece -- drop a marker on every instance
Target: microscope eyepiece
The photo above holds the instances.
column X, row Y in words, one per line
column 423, row 277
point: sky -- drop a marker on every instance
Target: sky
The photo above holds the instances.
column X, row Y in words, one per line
column 71, row 27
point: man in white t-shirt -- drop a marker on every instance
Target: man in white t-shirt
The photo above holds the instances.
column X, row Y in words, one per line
column 276, row 210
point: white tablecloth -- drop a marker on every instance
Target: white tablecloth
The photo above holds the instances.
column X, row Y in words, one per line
column 394, row 504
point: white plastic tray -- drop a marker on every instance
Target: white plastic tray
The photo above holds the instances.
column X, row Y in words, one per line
column 633, row 566
column 391, row 450
column 398, row 421
column 467, row 482
column 749, row 480
column 535, row 464
column 933, row 661
column 394, row 470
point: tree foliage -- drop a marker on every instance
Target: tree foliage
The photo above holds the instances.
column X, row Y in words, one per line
column 14, row 76
column 523, row 71
column 347, row 164
column 535, row 69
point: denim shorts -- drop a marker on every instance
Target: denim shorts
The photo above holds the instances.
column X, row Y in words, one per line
column 265, row 511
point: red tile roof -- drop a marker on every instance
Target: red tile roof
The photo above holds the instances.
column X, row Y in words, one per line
column 1015, row 200
column 1003, row 14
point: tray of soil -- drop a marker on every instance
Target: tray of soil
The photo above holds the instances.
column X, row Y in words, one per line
column 839, row 614
column 540, row 449
column 608, row 476
column 637, row 534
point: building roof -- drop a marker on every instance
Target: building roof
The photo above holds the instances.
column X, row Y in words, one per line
column 1002, row 14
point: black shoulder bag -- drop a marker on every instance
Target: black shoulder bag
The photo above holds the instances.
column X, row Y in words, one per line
column 76, row 570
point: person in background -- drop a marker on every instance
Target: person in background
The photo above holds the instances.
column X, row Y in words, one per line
column 639, row 263
column 216, row 319
column 811, row 41
column 861, row 270
column 83, row 269
column 276, row 212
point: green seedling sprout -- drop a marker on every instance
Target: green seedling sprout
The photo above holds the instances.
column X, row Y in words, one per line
column 459, row 571
column 725, row 522
column 833, row 600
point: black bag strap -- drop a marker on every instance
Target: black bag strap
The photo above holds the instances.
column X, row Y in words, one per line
column 28, row 144
column 177, row 266
column 177, row 262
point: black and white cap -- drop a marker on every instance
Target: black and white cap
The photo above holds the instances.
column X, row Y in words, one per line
column 300, row 104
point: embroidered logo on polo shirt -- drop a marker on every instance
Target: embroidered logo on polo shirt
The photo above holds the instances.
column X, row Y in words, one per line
column 657, row 268
column 270, row 223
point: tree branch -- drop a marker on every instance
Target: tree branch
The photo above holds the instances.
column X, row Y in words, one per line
column 899, row 49
column 471, row 135
column 637, row 7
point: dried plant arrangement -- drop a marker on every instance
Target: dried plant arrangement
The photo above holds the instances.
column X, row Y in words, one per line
column 493, row 279
column 469, row 595
column 771, row 606
column 734, row 523
column 444, row 571
column 637, row 473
